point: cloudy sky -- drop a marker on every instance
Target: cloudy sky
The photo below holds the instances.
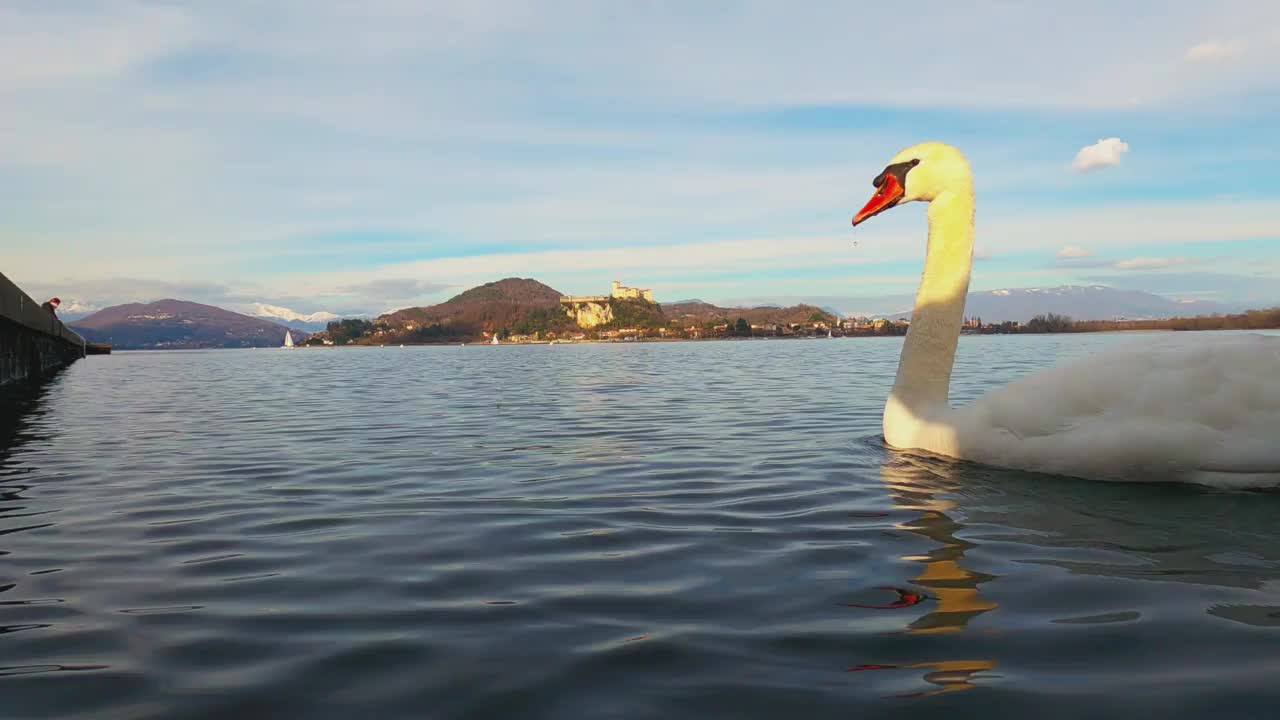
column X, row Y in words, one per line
column 357, row 157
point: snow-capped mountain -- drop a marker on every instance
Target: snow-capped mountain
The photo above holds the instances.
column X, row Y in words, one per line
column 1081, row 302
column 310, row 322
column 178, row 324
column 72, row 309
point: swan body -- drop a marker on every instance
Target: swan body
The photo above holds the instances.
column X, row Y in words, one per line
column 1182, row 409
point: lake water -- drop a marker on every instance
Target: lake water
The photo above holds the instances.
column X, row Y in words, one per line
column 600, row 531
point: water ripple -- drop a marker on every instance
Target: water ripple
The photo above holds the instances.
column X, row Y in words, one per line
column 664, row 530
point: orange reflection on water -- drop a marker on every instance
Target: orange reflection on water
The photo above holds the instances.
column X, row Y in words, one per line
column 946, row 676
column 955, row 590
column 951, row 675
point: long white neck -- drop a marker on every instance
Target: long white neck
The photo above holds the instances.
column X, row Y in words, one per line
column 919, row 395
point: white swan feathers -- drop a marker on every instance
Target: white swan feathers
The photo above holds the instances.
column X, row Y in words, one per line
column 1196, row 407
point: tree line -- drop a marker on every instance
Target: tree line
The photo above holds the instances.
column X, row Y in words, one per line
column 1249, row 320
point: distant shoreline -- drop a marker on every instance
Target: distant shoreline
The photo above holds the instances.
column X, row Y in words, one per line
column 478, row 343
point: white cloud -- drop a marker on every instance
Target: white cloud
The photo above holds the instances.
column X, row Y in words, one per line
column 1072, row 252
column 1104, row 153
column 86, row 291
column 1141, row 228
column 55, row 47
column 1215, row 50
column 1150, row 263
column 284, row 313
column 1121, row 225
column 234, row 120
column 584, row 270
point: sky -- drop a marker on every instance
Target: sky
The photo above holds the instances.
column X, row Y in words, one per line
column 328, row 158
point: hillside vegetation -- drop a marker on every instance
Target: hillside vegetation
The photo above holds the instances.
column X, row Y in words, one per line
column 702, row 313
column 524, row 307
column 1248, row 320
column 513, row 305
column 178, row 324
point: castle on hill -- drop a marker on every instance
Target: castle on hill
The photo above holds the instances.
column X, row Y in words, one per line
column 617, row 292
column 622, row 292
column 592, row 310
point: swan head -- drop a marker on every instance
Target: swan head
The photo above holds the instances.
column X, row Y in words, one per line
column 920, row 172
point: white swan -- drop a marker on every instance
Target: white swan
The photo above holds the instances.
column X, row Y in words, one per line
column 1202, row 410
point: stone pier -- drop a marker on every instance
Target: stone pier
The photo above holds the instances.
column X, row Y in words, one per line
column 33, row 343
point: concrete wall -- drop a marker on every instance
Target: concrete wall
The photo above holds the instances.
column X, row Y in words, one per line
column 33, row 343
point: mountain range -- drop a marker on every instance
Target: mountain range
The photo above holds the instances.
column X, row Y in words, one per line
column 309, row 322
column 1081, row 302
column 178, row 324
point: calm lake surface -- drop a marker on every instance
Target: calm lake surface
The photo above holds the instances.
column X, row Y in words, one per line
column 600, row 531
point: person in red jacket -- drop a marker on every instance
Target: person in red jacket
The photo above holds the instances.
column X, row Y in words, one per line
column 51, row 305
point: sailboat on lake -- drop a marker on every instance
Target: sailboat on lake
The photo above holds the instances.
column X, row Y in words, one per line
column 288, row 339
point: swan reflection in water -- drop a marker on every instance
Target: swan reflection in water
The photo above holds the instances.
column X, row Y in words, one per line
column 1100, row 546
column 951, row 596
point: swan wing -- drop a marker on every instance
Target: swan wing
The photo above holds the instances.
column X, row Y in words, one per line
column 1203, row 410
